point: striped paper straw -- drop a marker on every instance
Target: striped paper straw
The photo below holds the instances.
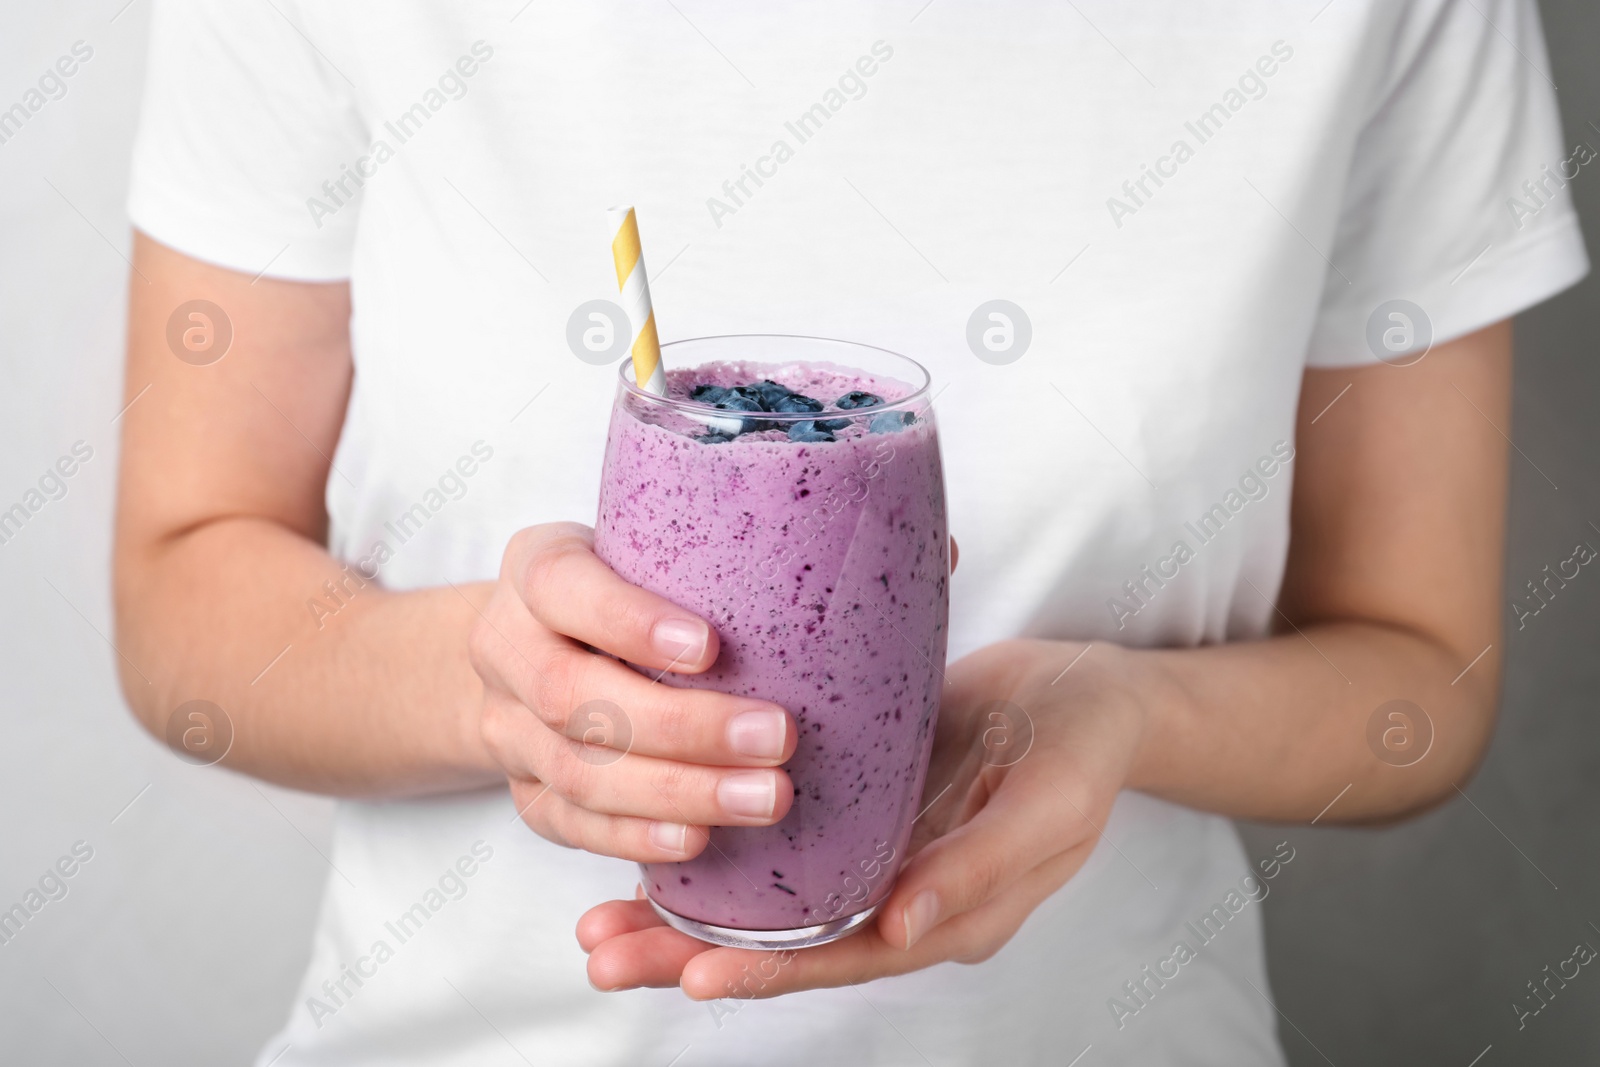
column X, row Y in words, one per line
column 635, row 289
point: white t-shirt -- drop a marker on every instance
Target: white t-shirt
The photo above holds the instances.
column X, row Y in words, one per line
column 1191, row 203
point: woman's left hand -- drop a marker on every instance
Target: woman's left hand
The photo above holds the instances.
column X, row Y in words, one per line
column 1016, row 800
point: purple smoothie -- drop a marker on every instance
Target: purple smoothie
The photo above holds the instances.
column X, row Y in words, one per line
column 824, row 568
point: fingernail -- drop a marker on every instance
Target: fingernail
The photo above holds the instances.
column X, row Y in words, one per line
column 669, row 836
column 753, row 794
column 680, row 640
column 921, row 914
column 758, row 734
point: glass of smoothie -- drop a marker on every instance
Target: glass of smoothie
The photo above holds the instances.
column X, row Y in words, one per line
column 789, row 490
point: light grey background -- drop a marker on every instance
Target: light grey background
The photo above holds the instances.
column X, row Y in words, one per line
column 179, row 942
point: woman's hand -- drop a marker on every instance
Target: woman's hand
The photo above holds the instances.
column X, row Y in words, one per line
column 600, row 757
column 1021, row 797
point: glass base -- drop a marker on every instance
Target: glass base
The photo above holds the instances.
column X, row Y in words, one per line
column 801, row 937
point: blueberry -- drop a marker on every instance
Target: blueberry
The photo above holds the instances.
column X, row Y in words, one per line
column 807, row 432
column 769, row 392
column 714, row 438
column 890, row 421
column 832, row 425
column 857, row 399
column 794, row 403
column 707, row 394
column 735, row 402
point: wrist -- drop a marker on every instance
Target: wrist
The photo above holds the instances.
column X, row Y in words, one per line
column 1120, row 684
column 472, row 753
column 1156, row 696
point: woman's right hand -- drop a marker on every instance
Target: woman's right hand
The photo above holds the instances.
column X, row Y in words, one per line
column 599, row 756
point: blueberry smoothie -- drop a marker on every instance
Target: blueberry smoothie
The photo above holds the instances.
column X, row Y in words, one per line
column 799, row 507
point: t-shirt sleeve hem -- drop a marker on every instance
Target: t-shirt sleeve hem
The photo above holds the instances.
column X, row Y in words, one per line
column 1498, row 286
column 227, row 240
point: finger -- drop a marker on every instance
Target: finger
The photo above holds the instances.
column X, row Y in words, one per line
column 631, row 947
column 598, row 700
column 650, row 788
column 977, row 861
column 642, row 840
column 955, row 555
column 638, row 951
column 758, row 974
column 613, row 919
column 652, row 958
column 970, row 937
column 568, row 589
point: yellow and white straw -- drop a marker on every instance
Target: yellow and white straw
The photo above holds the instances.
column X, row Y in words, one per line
column 635, row 289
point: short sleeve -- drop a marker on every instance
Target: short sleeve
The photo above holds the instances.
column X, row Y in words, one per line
column 1457, row 198
column 247, row 138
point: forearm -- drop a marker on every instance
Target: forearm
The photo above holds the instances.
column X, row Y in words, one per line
column 1276, row 729
column 369, row 696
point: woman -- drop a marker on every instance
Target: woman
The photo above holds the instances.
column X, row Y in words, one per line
column 1229, row 482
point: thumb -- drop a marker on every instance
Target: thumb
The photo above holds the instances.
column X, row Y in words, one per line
column 978, row 860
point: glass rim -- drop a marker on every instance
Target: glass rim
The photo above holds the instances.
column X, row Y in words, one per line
column 911, row 399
